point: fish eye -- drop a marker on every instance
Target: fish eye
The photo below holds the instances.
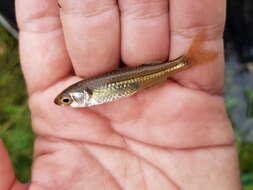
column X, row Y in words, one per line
column 66, row 100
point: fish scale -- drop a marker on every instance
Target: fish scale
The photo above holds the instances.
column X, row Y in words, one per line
column 120, row 89
column 113, row 92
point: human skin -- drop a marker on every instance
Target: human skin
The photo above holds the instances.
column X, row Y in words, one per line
column 174, row 136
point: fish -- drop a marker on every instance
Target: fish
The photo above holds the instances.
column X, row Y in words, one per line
column 127, row 81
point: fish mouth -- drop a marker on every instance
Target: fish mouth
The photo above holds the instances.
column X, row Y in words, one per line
column 57, row 101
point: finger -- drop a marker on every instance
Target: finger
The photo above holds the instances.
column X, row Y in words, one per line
column 6, row 171
column 7, row 176
column 42, row 48
column 145, row 30
column 187, row 18
column 92, row 33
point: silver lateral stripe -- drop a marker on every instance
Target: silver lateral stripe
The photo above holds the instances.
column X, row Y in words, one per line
column 8, row 27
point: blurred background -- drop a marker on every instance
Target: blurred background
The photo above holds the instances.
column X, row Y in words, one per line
column 15, row 126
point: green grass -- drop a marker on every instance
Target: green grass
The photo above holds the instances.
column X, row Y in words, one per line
column 249, row 96
column 247, row 180
column 15, row 126
column 245, row 149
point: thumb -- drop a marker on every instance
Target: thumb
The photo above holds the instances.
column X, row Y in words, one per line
column 7, row 177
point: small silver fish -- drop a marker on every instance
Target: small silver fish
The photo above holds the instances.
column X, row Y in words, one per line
column 127, row 81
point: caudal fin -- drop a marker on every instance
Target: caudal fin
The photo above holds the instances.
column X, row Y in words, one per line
column 197, row 54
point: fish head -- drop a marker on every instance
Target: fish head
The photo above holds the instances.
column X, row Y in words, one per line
column 77, row 99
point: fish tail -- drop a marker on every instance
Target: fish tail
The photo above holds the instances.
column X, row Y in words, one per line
column 197, row 54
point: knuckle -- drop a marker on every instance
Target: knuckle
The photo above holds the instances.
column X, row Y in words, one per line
column 145, row 9
column 40, row 25
column 87, row 8
column 41, row 17
column 214, row 31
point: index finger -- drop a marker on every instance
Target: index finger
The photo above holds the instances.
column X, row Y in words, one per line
column 187, row 18
column 44, row 58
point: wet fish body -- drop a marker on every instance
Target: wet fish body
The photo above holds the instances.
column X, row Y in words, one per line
column 119, row 83
column 130, row 80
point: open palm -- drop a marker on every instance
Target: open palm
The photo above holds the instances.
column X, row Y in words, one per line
column 174, row 136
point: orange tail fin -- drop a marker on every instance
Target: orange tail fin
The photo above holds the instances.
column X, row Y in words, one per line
column 197, row 54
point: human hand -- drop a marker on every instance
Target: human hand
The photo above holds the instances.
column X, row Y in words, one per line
column 174, row 136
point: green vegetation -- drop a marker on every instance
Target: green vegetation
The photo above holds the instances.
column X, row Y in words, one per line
column 14, row 116
column 246, row 149
column 15, row 123
column 247, row 180
column 246, row 156
column 249, row 96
